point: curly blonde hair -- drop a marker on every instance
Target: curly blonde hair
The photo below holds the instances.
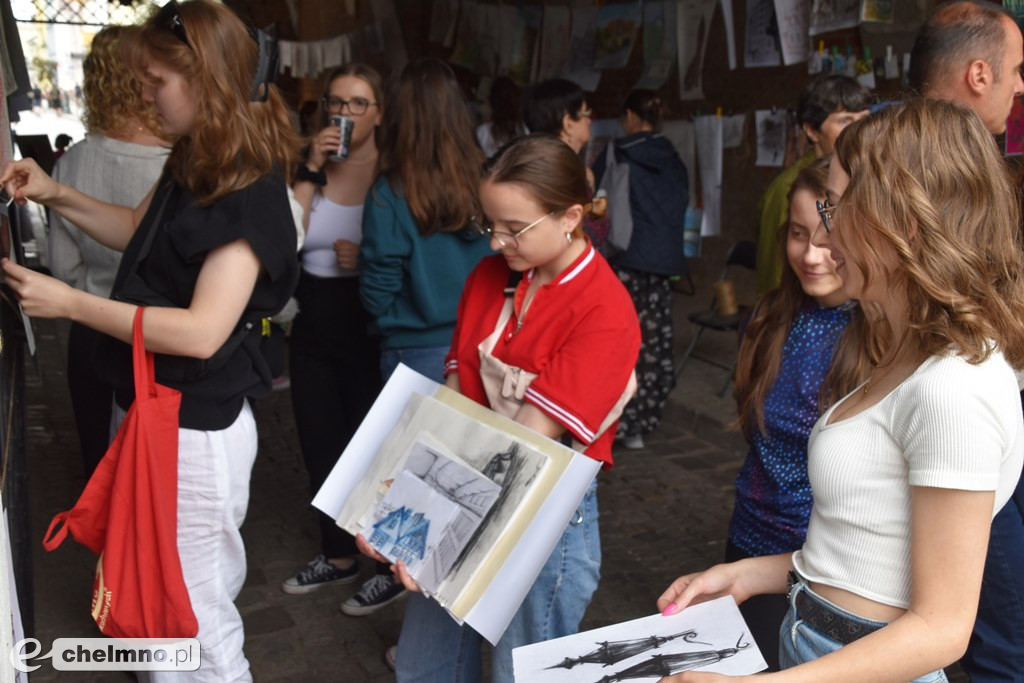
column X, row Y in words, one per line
column 112, row 93
column 929, row 189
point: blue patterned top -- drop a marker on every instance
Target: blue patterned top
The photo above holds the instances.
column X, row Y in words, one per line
column 773, row 493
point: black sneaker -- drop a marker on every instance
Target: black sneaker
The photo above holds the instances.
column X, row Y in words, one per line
column 317, row 574
column 379, row 591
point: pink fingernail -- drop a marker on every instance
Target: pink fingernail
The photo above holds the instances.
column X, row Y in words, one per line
column 669, row 610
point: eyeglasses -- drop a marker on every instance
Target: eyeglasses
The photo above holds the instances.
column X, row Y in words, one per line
column 357, row 106
column 169, row 19
column 506, row 239
column 825, row 210
column 585, row 114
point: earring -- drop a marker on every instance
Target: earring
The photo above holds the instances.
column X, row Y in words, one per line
column 568, row 237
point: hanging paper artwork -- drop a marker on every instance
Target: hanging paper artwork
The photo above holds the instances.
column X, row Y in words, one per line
column 832, row 15
column 878, row 10
column 659, row 43
column 581, row 69
column 762, row 48
column 792, row 17
column 732, row 130
column 693, row 22
column 771, row 137
column 730, row 31
column 709, row 156
column 556, row 32
column 617, row 26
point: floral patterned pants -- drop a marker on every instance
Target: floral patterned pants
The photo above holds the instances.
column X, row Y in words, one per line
column 655, row 371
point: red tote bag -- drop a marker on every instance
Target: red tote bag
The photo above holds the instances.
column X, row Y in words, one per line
column 128, row 515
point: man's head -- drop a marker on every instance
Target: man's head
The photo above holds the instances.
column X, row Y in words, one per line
column 827, row 105
column 970, row 51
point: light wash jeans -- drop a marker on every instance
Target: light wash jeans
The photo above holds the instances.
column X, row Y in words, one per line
column 428, row 361
column 800, row 643
column 435, row 649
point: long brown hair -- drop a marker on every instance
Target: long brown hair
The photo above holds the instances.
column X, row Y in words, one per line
column 429, row 151
column 760, row 353
column 929, row 190
column 235, row 141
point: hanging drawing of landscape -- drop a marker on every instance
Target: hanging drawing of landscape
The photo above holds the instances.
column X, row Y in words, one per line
column 711, row 636
column 430, row 512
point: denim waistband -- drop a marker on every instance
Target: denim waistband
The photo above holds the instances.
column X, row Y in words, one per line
column 825, row 616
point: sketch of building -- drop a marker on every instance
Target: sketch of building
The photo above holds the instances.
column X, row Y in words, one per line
column 405, row 532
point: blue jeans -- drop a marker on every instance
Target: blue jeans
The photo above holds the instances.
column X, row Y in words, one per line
column 428, row 361
column 996, row 650
column 435, row 649
column 800, row 643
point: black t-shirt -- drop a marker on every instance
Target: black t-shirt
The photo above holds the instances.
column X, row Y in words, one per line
column 213, row 390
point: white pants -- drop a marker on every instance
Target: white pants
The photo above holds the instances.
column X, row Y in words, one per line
column 213, row 493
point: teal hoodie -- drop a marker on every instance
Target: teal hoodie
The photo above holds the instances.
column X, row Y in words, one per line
column 411, row 284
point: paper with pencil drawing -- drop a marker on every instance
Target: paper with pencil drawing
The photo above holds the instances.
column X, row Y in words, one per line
column 711, row 636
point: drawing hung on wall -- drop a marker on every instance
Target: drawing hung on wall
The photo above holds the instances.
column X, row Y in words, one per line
column 711, row 637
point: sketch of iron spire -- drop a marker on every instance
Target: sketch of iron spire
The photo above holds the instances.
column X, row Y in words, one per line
column 615, row 651
column 659, row 666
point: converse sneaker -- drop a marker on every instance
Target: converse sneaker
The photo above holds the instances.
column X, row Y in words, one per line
column 319, row 573
column 379, row 591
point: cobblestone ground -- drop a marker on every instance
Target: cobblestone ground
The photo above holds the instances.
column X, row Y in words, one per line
column 664, row 512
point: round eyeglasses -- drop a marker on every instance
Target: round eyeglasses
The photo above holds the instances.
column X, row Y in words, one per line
column 357, row 106
column 503, row 238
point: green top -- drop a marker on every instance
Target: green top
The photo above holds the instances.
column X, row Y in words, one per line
column 409, row 283
column 774, row 212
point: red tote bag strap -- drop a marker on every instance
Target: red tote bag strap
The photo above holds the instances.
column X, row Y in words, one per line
column 51, row 540
column 145, row 370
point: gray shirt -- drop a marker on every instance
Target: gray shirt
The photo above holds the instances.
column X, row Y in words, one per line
column 109, row 170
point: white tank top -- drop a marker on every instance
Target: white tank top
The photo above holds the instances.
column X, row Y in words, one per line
column 329, row 222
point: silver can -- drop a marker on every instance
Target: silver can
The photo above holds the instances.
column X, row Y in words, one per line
column 345, row 126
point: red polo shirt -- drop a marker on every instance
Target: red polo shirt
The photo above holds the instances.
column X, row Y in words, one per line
column 580, row 336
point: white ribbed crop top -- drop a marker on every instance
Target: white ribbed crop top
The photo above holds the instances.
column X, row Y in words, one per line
column 949, row 425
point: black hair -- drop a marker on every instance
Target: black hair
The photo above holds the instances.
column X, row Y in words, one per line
column 828, row 94
column 547, row 103
column 646, row 104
